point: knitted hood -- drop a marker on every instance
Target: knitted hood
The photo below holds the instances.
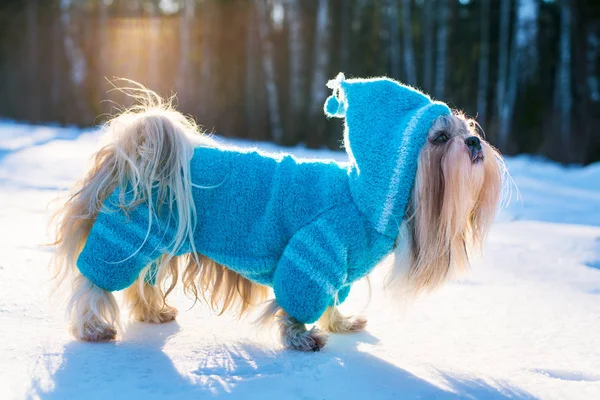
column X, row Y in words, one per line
column 386, row 127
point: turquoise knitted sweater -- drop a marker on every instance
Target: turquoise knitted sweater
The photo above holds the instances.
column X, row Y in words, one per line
column 307, row 228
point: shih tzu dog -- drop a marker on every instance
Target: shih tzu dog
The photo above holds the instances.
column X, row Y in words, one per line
column 161, row 200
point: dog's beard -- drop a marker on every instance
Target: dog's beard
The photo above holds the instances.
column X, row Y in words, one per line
column 452, row 207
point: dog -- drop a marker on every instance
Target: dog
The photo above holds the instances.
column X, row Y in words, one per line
column 420, row 184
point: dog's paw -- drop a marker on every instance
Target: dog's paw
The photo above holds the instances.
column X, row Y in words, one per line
column 165, row 314
column 319, row 340
column 95, row 332
column 357, row 324
column 346, row 325
column 313, row 340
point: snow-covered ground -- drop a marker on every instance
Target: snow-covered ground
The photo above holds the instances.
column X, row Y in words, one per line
column 524, row 324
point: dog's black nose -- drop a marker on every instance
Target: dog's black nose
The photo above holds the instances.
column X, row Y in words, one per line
column 474, row 145
column 473, row 142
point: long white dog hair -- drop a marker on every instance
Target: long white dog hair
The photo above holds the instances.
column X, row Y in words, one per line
column 149, row 151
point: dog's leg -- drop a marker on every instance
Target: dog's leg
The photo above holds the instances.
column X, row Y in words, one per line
column 333, row 321
column 93, row 311
column 147, row 303
column 293, row 334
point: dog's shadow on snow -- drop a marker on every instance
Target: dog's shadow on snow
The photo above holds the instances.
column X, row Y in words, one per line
column 131, row 367
column 137, row 367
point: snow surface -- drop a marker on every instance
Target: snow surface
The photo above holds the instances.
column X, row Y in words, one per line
column 524, row 324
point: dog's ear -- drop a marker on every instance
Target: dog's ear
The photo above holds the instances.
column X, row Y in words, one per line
column 453, row 204
column 433, row 244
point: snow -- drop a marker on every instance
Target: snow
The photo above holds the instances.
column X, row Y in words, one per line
column 524, row 323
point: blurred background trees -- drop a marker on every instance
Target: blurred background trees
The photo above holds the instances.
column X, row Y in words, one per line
column 528, row 70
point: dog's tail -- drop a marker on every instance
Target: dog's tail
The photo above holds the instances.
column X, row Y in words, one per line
column 148, row 155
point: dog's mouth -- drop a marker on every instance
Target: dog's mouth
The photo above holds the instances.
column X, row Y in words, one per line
column 476, row 156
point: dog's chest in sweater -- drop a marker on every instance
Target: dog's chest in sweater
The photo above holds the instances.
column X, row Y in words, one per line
column 250, row 205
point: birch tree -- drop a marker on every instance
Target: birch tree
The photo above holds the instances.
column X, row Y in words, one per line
column 205, row 61
column 562, row 98
column 32, row 42
column 77, row 63
column 186, row 23
column 102, row 52
column 296, row 72
column 442, row 45
column 357, row 12
column 346, row 34
column 484, row 61
column 251, row 51
column 593, row 81
column 153, row 66
column 510, row 91
column 103, row 36
column 502, row 70
column 269, row 71
column 428, row 44
column 321, row 60
column 522, row 65
column 526, row 37
column 56, row 55
column 391, row 14
column 409, row 57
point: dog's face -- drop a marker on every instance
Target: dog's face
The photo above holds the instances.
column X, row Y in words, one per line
column 454, row 201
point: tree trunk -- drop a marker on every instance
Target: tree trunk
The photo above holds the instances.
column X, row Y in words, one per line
column 296, row 58
column 583, row 137
column 153, row 66
column 268, row 61
column 563, row 98
column 512, row 79
column 77, row 63
column 527, row 38
column 442, row 45
column 428, row 32
column 319, row 75
column 593, row 75
column 357, row 15
column 484, row 62
column 103, row 35
column 103, row 46
column 523, row 63
column 251, row 78
column 409, row 56
column 206, row 87
column 32, row 71
column 346, row 35
column 391, row 16
column 502, row 71
column 184, row 78
column 57, row 63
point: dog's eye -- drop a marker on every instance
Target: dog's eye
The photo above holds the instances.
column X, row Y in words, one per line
column 442, row 137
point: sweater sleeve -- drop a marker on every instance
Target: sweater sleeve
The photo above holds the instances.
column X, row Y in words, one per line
column 312, row 269
column 121, row 244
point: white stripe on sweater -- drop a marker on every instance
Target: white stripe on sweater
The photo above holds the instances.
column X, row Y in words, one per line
column 328, row 231
column 400, row 164
column 307, row 268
